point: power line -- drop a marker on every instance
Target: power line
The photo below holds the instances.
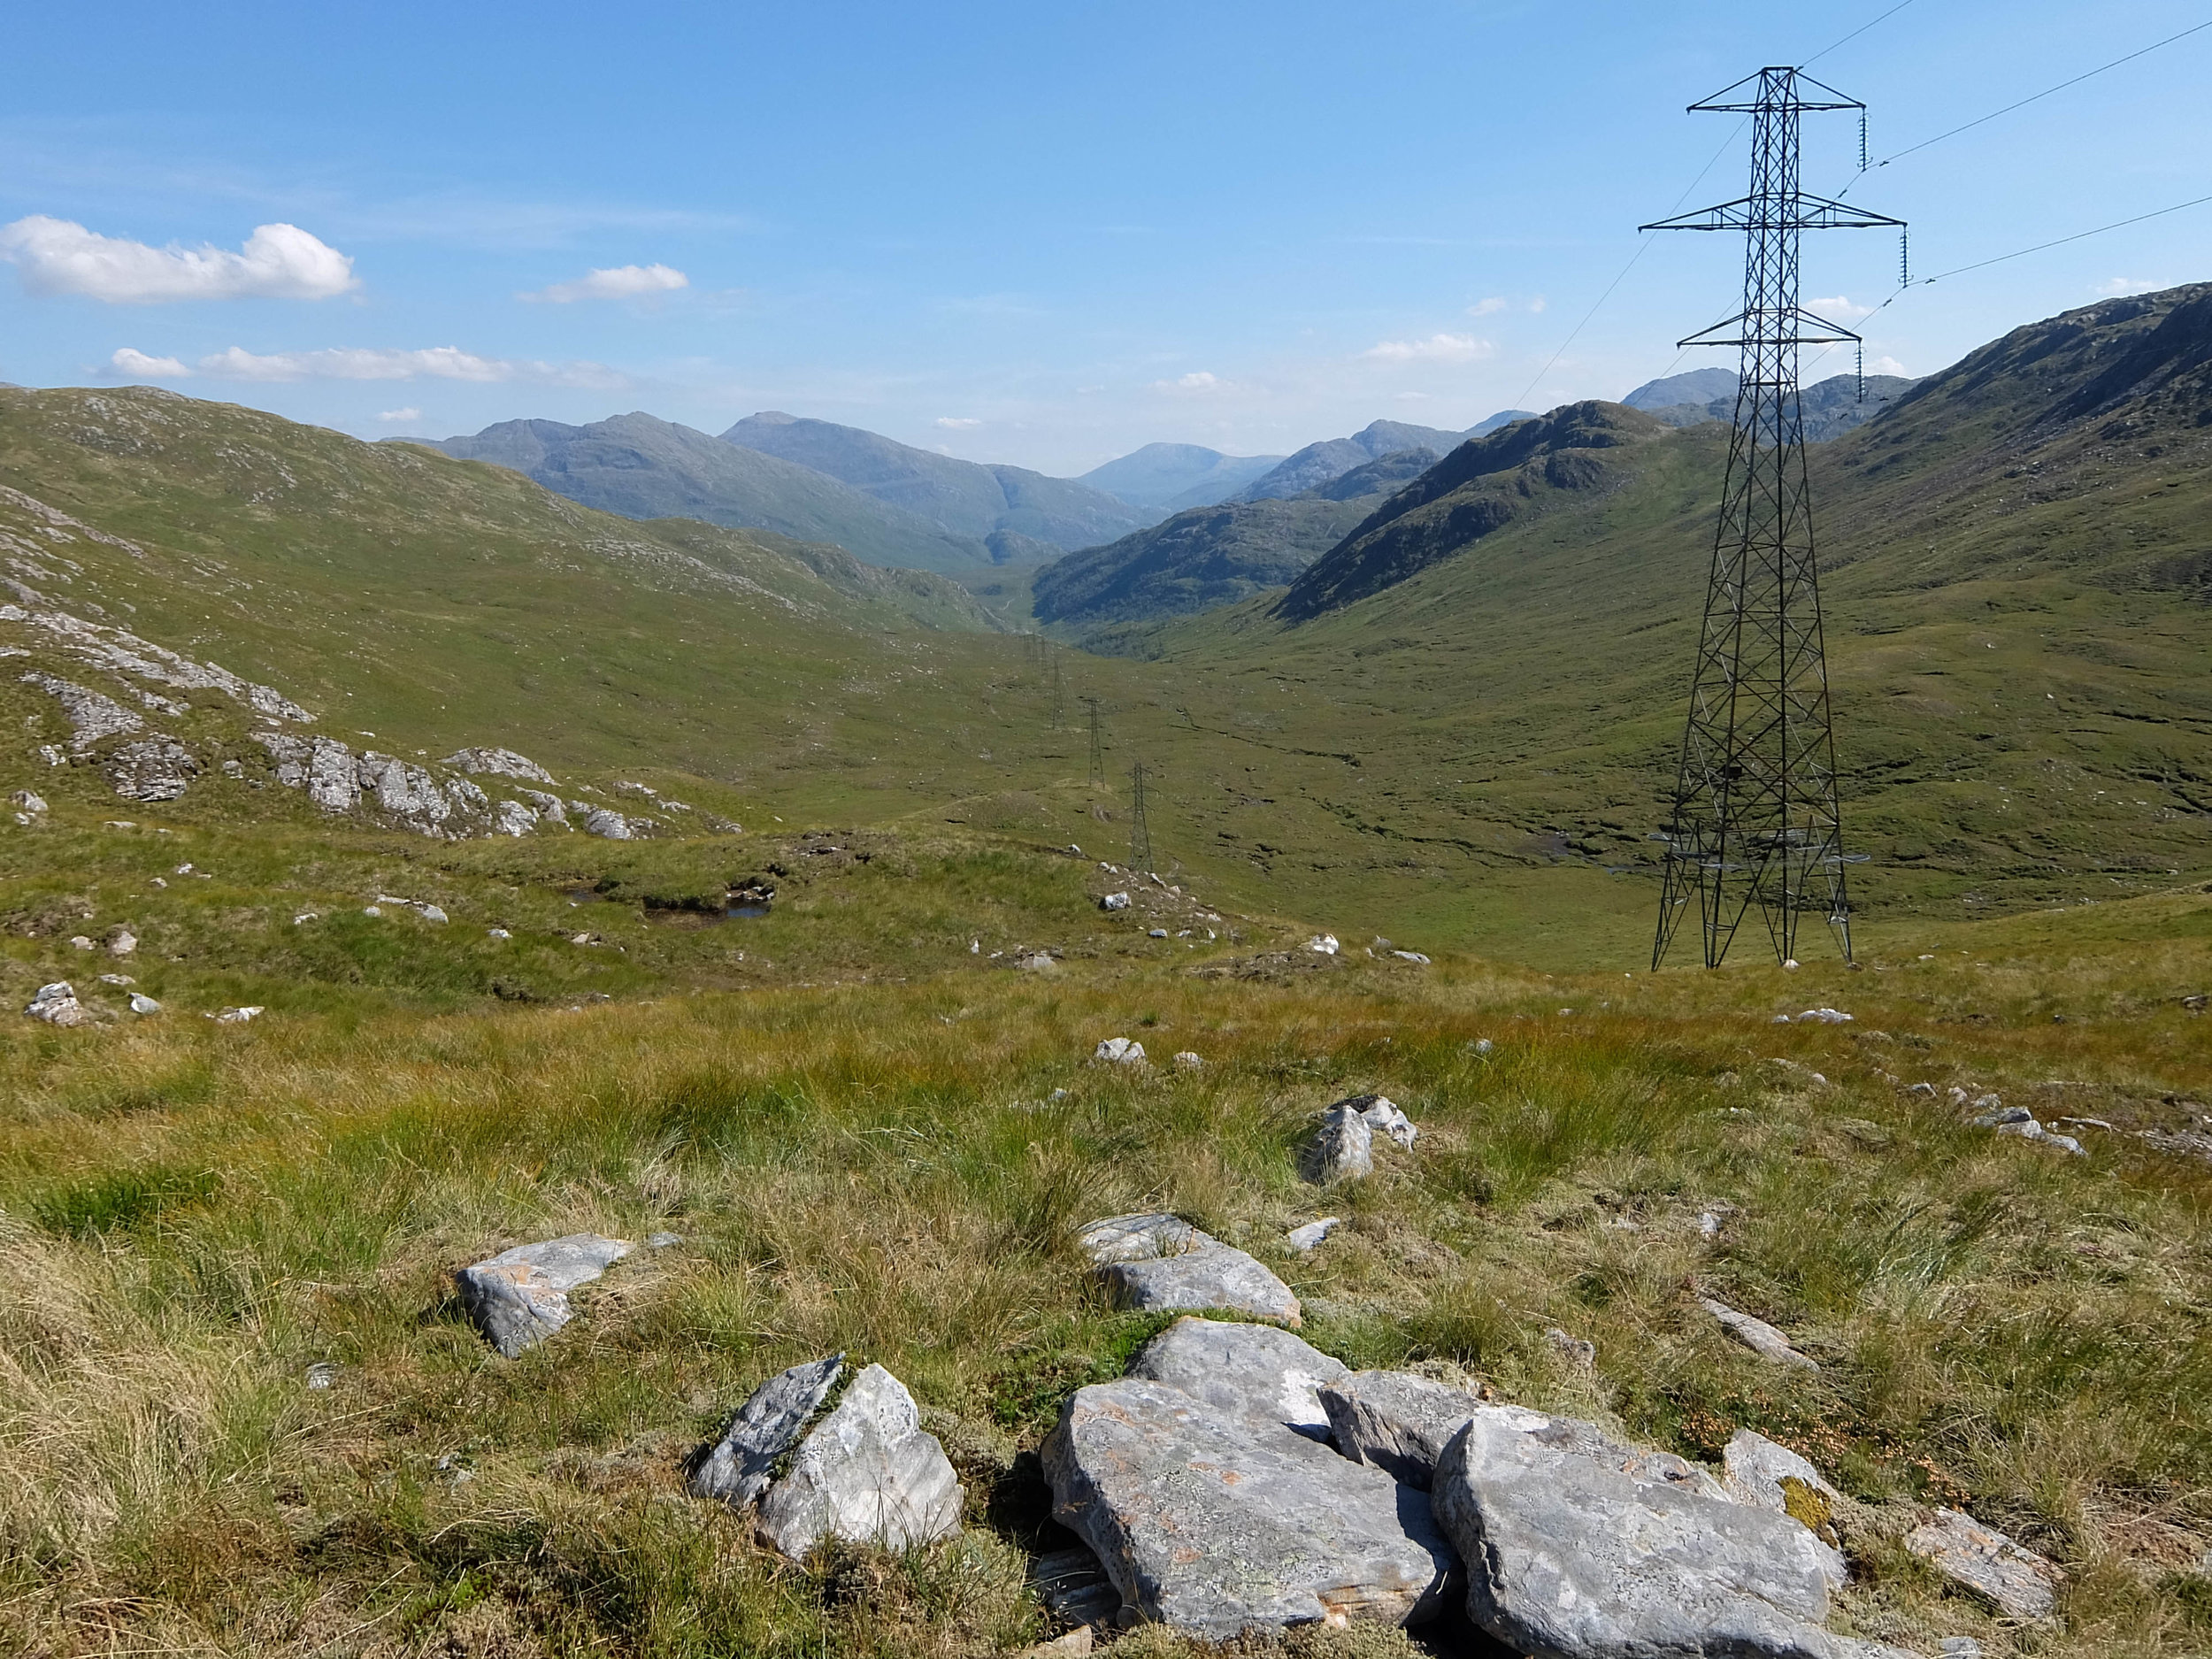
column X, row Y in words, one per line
column 1854, row 34
column 2059, row 241
column 2023, row 104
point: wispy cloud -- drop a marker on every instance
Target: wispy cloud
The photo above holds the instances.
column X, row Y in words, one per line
column 372, row 363
column 2119, row 287
column 615, row 282
column 1435, row 348
column 406, row 417
column 137, row 366
column 1486, row 307
column 1199, row 381
column 957, row 422
column 1838, row 308
column 56, row 255
column 1888, row 365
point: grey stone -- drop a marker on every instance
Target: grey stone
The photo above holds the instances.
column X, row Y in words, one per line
column 511, row 818
column 140, row 1004
column 1119, row 1051
column 57, row 1005
column 1578, row 1350
column 1158, row 1262
column 1114, row 902
column 1573, row 1548
column 32, row 803
column 866, row 1472
column 738, row 1468
column 1397, row 1421
column 404, row 790
column 154, row 768
column 550, row 808
column 519, row 1297
column 1074, row 1589
column 1757, row 1335
column 1343, row 1148
column 604, row 822
column 1959, row 1647
column 122, row 942
column 1189, row 1061
column 1384, row 1119
column 498, row 763
column 323, row 766
column 2018, row 1582
column 92, row 716
column 1305, row 1240
column 1218, row 1512
column 1756, row 1470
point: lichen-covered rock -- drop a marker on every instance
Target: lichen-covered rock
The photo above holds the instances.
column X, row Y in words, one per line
column 1397, row 1421
column 1756, row 1470
column 511, row 818
column 866, row 1472
column 2017, row 1581
column 93, row 717
column 154, row 768
column 1221, row 1511
column 1153, row 1262
column 498, row 763
column 323, row 766
column 519, row 1297
column 602, row 821
column 404, row 790
column 739, row 1467
column 550, row 808
column 1573, row 1548
column 1119, row 1051
column 57, row 1005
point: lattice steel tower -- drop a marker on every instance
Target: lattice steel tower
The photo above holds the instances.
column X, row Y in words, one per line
column 1140, row 828
column 1753, row 820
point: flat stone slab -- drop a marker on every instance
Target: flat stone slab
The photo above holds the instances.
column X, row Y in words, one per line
column 519, row 1297
column 740, row 1466
column 1757, row 1335
column 1397, row 1421
column 1218, row 1511
column 1569, row 1553
column 867, row 1473
column 1757, row 1470
column 2017, row 1581
column 1154, row 1262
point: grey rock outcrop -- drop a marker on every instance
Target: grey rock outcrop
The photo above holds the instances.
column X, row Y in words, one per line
column 519, row 1297
column 1398, row 1422
column 604, row 821
column 550, row 808
column 1219, row 1510
column 57, row 1005
column 866, row 1472
column 1119, row 1051
column 2017, row 1581
column 1156, row 1262
column 155, row 768
column 1757, row 1335
column 1756, row 1470
column 323, row 766
column 92, row 716
column 1569, row 1553
column 1343, row 1148
column 498, row 763
column 740, row 1466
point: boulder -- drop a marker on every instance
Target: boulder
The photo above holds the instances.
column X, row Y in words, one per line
column 1343, row 1148
column 1156, row 1262
column 739, row 1467
column 1578, row 1546
column 154, row 768
column 1757, row 1472
column 1324, row 943
column 1757, row 1335
column 1114, row 902
column 1200, row 1483
column 57, row 1005
column 1307, row 1239
column 1384, row 1119
column 1119, row 1051
column 519, row 1297
column 1398, row 1422
column 498, row 763
column 32, row 803
column 866, row 1472
column 2017, row 1581
column 122, row 942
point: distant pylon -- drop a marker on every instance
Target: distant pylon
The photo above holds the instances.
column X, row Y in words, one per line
column 1754, row 818
column 1140, row 831
column 1059, row 691
column 1098, row 750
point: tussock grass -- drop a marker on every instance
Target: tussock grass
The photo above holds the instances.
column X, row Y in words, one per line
column 191, row 1215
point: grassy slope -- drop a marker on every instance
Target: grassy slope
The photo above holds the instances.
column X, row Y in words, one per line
column 851, row 1124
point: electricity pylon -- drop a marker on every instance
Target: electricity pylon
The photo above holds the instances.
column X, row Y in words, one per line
column 1098, row 750
column 1753, row 820
column 1140, row 831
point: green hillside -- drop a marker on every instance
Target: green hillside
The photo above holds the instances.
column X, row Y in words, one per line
column 963, row 498
column 642, row 467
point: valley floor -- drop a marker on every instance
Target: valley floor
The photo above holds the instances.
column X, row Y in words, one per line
column 873, row 1133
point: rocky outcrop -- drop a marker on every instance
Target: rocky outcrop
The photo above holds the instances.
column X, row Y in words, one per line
column 498, row 763
column 151, row 769
column 866, row 1472
column 57, row 1005
column 1204, row 1483
column 519, row 1297
column 1158, row 1262
column 1343, row 1147
column 2016, row 1582
column 740, row 1466
column 1577, row 1545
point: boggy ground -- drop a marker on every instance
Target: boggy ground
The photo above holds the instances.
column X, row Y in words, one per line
column 193, row 1215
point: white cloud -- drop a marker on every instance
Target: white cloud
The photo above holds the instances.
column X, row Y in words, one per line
column 957, row 422
column 1198, row 380
column 406, row 417
column 1838, row 308
column 1536, row 304
column 366, row 363
column 1888, row 365
column 616, row 282
column 1435, row 348
column 1487, row 308
column 278, row 262
column 2118, row 287
column 138, row 366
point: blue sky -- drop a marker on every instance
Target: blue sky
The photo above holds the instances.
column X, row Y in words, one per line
column 1036, row 233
